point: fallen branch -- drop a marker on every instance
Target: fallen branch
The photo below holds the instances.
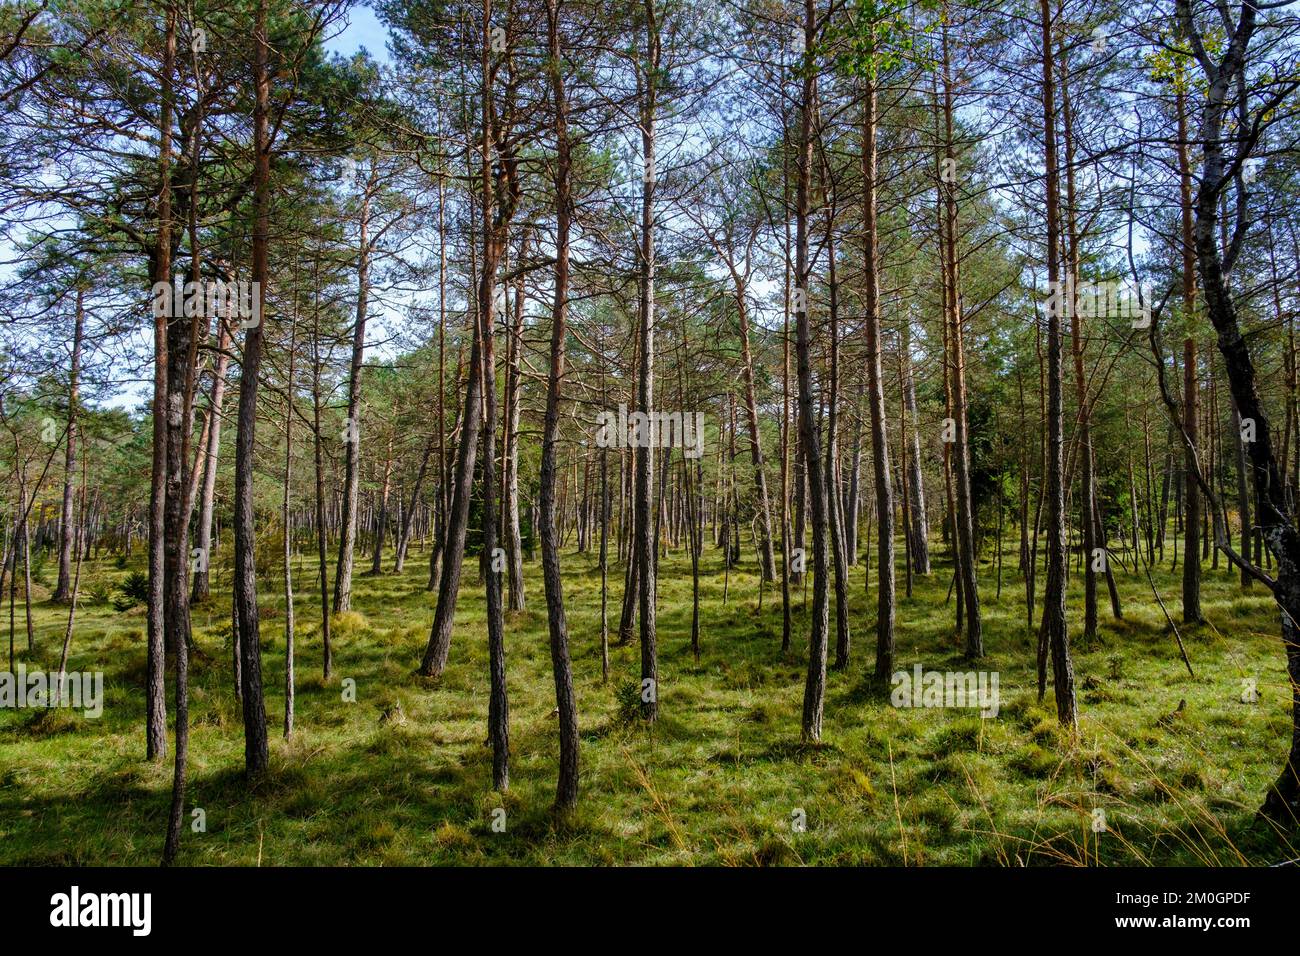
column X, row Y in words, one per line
column 1181, row 649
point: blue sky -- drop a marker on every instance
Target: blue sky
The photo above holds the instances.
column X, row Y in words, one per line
column 363, row 30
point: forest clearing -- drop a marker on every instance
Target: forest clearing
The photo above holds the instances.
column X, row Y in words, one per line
column 401, row 775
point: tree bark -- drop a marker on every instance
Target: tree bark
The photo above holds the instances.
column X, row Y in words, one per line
column 815, row 686
column 1192, row 496
column 67, row 517
column 885, row 583
column 499, row 200
column 767, row 562
column 256, row 755
column 566, row 791
column 1055, row 630
column 920, row 530
column 201, row 589
column 352, row 433
column 510, row 459
column 155, row 666
column 645, row 500
column 961, row 450
column 1276, row 521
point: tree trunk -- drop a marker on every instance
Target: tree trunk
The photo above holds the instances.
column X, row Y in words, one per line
column 327, row 662
column 767, row 562
column 352, row 429
column 645, row 500
column 381, row 519
column 566, row 791
column 1087, row 486
column 67, row 518
column 408, row 515
column 256, row 755
column 961, row 450
column 920, row 530
column 1192, row 496
column 498, row 702
column 885, row 585
column 156, row 654
column 287, row 530
column 833, row 501
column 815, row 686
column 1054, row 623
column 498, row 206
column 510, row 459
column 1276, row 522
column 202, row 587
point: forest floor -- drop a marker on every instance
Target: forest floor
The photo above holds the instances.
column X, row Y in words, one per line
column 403, row 774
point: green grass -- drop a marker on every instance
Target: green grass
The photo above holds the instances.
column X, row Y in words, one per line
column 403, row 775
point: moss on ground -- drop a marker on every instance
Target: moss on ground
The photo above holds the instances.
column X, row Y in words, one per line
column 402, row 775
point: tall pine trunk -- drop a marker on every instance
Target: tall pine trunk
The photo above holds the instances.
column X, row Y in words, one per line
column 566, row 790
column 256, row 754
column 645, row 500
column 352, row 427
column 1055, row 632
column 67, row 517
column 814, row 695
column 885, row 585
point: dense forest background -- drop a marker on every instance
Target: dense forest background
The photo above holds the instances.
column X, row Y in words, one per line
column 606, row 433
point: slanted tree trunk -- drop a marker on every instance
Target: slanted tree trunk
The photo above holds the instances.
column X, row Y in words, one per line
column 1273, row 515
column 318, row 456
column 1243, row 488
column 381, row 519
column 852, row 506
column 767, row 562
column 201, row 589
column 76, row 582
column 500, row 194
column 920, row 529
column 408, row 514
column 453, row 545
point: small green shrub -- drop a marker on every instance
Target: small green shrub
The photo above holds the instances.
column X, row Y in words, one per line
column 627, row 696
column 133, row 590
